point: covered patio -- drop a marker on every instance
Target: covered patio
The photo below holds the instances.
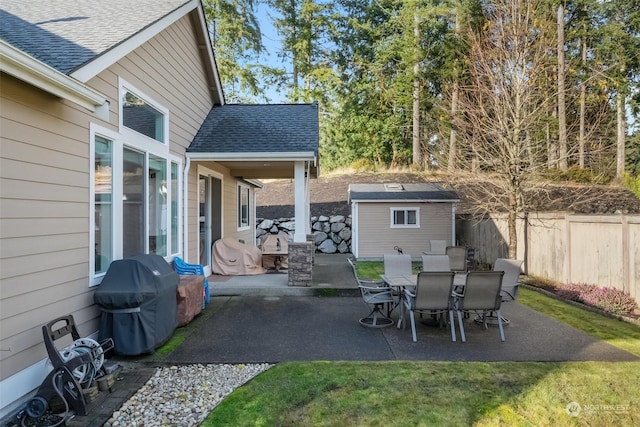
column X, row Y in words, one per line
column 253, row 142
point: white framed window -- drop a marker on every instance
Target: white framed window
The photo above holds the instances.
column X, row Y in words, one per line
column 135, row 199
column 244, row 193
column 405, row 217
column 141, row 115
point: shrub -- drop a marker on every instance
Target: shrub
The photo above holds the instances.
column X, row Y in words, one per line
column 611, row 300
column 575, row 291
column 580, row 175
column 607, row 299
column 633, row 183
column 362, row 165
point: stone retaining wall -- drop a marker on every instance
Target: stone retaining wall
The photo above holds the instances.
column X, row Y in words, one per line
column 330, row 234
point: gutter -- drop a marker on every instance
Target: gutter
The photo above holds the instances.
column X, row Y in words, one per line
column 24, row 67
column 244, row 157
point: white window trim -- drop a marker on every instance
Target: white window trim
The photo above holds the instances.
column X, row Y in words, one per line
column 178, row 197
column 96, row 130
column 119, row 143
column 243, row 187
column 393, row 210
column 141, row 141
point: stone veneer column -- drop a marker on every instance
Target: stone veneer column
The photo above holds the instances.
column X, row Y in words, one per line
column 300, row 263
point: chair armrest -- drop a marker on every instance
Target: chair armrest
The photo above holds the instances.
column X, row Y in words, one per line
column 510, row 292
column 372, row 283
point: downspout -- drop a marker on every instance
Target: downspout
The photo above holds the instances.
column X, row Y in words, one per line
column 185, row 207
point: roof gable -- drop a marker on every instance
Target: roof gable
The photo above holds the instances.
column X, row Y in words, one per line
column 69, row 34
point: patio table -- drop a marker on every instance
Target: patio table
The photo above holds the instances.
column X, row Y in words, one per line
column 277, row 253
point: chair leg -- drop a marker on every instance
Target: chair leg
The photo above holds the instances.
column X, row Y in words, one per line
column 401, row 319
column 462, row 337
column 413, row 326
column 453, row 326
column 500, row 326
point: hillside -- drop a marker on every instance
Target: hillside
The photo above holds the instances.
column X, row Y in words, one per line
column 329, row 195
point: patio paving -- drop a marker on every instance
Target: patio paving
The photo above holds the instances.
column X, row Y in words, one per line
column 264, row 320
column 275, row 329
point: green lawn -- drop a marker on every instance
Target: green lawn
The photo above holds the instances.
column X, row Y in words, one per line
column 449, row 393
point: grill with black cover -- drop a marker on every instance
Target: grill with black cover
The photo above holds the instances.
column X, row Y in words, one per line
column 137, row 299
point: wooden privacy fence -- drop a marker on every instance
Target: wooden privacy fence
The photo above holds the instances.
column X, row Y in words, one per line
column 603, row 250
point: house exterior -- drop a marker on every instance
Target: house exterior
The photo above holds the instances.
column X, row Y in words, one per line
column 115, row 140
column 413, row 217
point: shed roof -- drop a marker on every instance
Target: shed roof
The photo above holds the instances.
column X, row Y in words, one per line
column 392, row 192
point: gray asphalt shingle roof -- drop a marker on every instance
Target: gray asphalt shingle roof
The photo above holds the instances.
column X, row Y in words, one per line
column 249, row 128
column 431, row 191
column 66, row 34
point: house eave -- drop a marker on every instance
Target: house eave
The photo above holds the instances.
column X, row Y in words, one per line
column 28, row 69
column 303, row 156
column 404, row 200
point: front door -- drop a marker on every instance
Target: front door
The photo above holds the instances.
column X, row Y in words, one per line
column 210, row 217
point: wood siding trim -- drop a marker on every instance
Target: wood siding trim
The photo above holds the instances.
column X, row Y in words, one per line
column 376, row 237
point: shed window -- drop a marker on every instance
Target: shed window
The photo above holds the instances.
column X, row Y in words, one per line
column 405, row 218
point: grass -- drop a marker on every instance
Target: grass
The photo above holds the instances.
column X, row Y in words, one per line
column 177, row 338
column 401, row 393
column 435, row 393
column 616, row 332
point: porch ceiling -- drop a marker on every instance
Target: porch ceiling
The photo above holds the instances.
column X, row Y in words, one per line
column 264, row 169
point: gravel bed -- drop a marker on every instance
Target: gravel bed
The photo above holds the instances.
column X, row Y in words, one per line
column 182, row 395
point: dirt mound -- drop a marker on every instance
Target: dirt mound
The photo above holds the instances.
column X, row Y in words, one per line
column 329, row 195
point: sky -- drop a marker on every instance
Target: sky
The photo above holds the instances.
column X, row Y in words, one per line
column 271, row 44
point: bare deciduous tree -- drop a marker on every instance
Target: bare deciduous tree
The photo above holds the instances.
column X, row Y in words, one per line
column 502, row 106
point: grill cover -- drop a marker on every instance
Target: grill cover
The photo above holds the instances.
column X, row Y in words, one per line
column 137, row 298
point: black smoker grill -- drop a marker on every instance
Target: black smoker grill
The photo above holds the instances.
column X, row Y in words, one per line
column 137, row 298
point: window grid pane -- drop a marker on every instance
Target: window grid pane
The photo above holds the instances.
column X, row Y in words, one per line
column 133, row 197
column 142, row 117
column 157, row 205
column 103, row 200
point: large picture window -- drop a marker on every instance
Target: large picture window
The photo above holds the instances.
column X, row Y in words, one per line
column 135, row 185
column 243, row 206
column 405, row 218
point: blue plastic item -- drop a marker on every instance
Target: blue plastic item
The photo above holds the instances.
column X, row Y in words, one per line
column 183, row 267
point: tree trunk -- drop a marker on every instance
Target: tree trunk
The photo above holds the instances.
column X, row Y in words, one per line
column 583, row 108
column 621, row 129
column 417, row 152
column 511, row 224
column 453, row 151
column 562, row 118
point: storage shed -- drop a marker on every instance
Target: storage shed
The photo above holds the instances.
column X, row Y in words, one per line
column 419, row 218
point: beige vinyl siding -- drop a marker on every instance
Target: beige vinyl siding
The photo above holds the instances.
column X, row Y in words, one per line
column 44, row 178
column 44, row 215
column 169, row 69
column 376, row 237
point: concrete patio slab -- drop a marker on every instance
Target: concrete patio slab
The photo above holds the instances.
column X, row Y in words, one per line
column 275, row 329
